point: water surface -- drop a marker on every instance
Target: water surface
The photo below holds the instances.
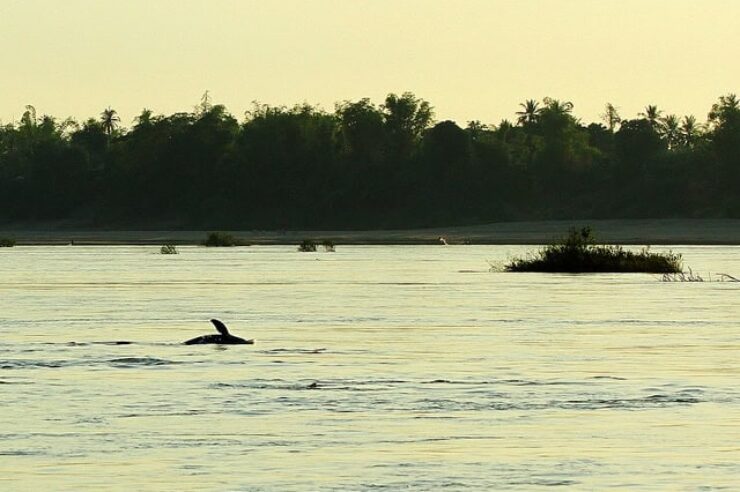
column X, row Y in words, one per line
column 375, row 368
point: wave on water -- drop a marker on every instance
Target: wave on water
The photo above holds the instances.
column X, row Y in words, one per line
column 20, row 452
column 119, row 362
column 294, row 351
column 585, row 403
column 358, row 384
column 506, row 397
column 141, row 361
column 84, row 344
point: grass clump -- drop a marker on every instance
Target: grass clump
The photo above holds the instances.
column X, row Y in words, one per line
column 6, row 242
column 579, row 253
column 328, row 245
column 307, row 246
column 219, row 239
column 169, row 249
column 690, row 276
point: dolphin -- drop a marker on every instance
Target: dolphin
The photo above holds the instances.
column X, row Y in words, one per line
column 224, row 337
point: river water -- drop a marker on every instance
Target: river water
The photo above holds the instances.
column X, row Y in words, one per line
column 374, row 368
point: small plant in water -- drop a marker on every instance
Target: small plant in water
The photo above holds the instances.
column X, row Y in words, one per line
column 328, row 246
column 689, row 276
column 219, row 239
column 307, row 246
column 168, row 249
column 579, row 253
column 6, row 242
column 727, row 278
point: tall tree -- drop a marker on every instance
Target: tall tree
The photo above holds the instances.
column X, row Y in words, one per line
column 68, row 126
column 670, row 130
column 724, row 119
column 557, row 106
column 690, row 130
column 724, row 110
column 145, row 119
column 611, row 117
column 29, row 117
column 652, row 114
column 110, row 120
column 406, row 118
column 529, row 113
column 362, row 136
column 205, row 104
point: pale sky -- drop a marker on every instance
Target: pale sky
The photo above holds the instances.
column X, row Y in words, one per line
column 471, row 59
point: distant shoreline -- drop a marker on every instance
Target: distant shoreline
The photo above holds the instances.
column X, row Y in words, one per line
column 637, row 232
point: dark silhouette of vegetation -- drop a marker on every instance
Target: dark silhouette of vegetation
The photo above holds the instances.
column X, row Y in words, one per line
column 307, row 246
column 366, row 166
column 169, row 249
column 328, row 245
column 6, row 242
column 579, row 253
column 219, row 239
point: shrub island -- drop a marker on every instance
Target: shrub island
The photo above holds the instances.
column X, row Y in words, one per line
column 169, row 249
column 307, row 246
column 220, row 239
column 579, row 253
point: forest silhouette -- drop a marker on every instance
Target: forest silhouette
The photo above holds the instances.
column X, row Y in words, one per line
column 367, row 166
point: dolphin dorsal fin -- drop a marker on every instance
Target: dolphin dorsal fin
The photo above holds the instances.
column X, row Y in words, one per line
column 220, row 327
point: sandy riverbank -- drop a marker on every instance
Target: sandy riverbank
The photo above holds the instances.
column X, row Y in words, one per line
column 663, row 231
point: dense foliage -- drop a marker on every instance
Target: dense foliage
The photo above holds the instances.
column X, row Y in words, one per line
column 169, row 249
column 366, row 166
column 220, row 239
column 578, row 253
column 307, row 246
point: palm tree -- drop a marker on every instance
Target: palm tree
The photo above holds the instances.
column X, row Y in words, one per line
column 652, row 114
column 529, row 114
column 475, row 129
column 669, row 128
column 690, row 130
column 503, row 129
column 554, row 105
column 110, row 120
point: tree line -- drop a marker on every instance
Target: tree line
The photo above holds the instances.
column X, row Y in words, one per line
column 367, row 165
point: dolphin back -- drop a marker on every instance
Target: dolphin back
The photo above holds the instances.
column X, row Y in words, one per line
column 223, row 337
column 220, row 339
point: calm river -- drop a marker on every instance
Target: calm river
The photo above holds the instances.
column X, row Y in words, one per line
column 374, row 368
